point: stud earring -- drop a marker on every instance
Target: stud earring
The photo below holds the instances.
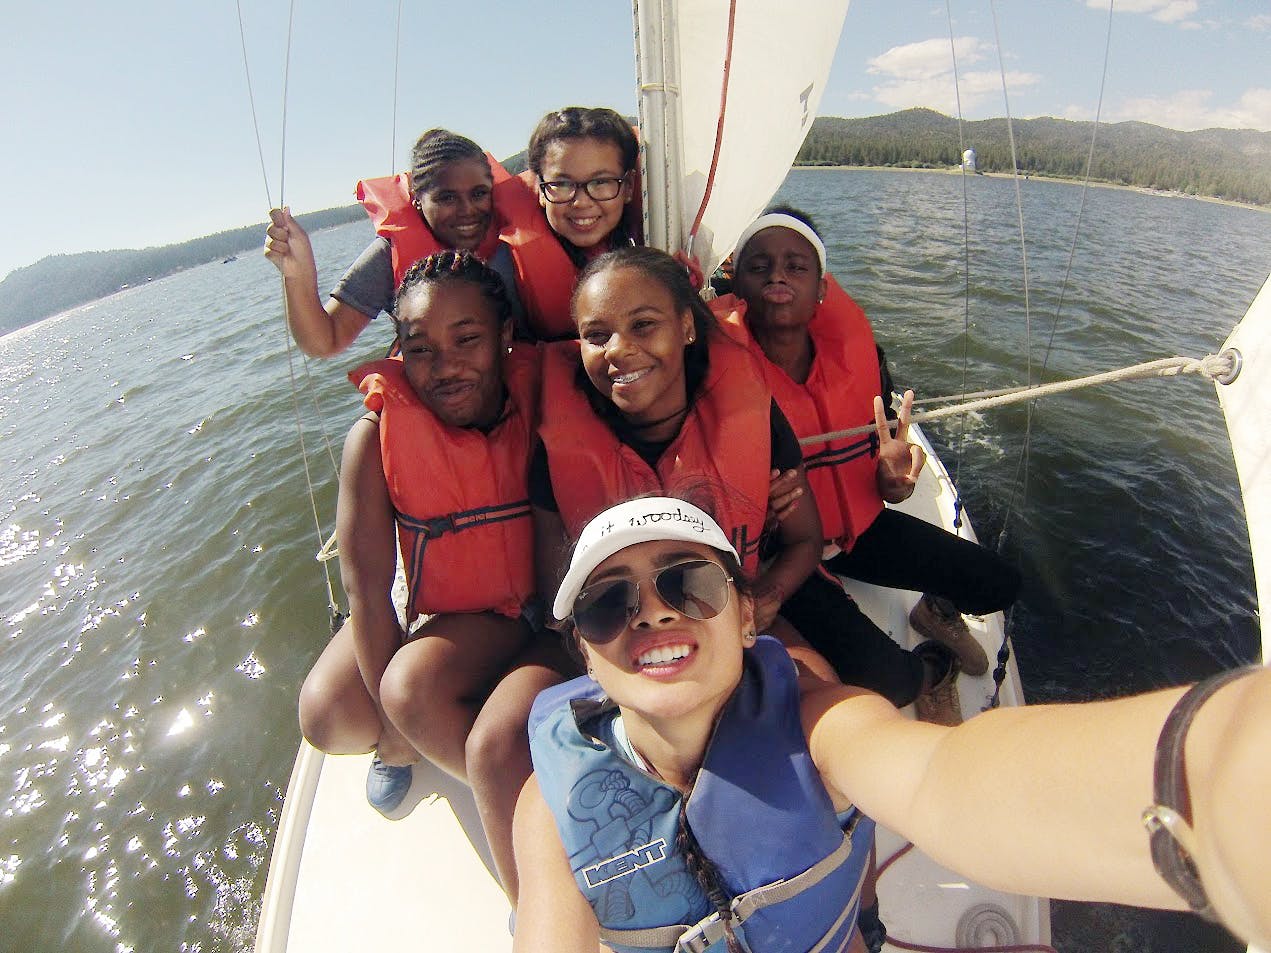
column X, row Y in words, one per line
column 509, row 348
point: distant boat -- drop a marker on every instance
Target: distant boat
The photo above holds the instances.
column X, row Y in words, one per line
column 226, row 261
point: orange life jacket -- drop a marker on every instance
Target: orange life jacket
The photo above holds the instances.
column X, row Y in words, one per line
column 461, row 496
column 723, row 447
column 389, row 202
column 838, row 395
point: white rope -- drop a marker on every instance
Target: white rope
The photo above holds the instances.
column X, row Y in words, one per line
column 1211, row 367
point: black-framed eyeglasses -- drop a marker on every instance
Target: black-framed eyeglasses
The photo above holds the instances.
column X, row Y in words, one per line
column 697, row 588
column 602, row 189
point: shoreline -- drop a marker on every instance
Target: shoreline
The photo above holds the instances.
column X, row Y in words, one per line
column 1141, row 189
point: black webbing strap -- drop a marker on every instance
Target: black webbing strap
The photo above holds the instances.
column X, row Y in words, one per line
column 1170, row 818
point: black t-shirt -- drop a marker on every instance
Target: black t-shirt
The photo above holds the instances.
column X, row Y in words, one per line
column 785, row 453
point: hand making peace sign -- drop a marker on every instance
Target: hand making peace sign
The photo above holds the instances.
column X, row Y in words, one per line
column 899, row 461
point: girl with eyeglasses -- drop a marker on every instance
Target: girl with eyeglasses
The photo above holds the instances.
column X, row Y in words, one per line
column 449, row 200
column 436, row 469
column 653, row 398
column 696, row 789
column 582, row 169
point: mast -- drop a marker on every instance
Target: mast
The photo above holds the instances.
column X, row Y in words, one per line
column 658, row 78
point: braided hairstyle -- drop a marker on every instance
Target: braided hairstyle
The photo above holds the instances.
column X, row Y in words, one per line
column 583, row 122
column 706, row 874
column 454, row 266
column 435, row 150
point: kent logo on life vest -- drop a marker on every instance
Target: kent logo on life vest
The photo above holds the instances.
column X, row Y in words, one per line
column 626, row 863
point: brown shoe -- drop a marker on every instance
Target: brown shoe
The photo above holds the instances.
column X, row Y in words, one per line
column 949, row 628
column 940, row 704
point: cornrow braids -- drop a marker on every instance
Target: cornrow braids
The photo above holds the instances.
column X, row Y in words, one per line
column 435, row 150
column 707, row 875
column 455, row 266
column 583, row 122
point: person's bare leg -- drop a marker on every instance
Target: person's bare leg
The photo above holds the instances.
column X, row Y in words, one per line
column 498, row 749
column 337, row 714
column 435, row 685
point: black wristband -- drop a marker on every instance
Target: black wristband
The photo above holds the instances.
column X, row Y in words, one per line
column 1171, row 814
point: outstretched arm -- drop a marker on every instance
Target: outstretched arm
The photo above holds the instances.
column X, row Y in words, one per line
column 551, row 916
column 1048, row 799
column 319, row 331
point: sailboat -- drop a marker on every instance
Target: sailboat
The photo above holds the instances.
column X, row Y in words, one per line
column 720, row 128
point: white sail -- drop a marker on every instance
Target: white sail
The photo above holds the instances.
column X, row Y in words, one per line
column 766, row 66
column 1246, row 403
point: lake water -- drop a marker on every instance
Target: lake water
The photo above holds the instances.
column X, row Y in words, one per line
column 160, row 603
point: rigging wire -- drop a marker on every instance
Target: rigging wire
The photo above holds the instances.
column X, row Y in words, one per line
column 397, row 62
column 1022, row 463
column 1021, row 473
column 336, row 615
column 966, row 272
column 251, row 99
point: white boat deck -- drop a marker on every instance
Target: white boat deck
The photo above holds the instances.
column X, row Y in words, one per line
column 342, row 877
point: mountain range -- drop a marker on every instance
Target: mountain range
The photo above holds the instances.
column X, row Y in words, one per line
column 1230, row 164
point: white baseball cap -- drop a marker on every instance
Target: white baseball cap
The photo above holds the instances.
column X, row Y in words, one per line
column 635, row 521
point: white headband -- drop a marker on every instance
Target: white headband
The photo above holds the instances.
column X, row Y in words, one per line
column 635, row 521
column 780, row 220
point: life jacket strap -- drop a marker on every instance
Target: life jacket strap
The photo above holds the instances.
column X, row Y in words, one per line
column 435, row 527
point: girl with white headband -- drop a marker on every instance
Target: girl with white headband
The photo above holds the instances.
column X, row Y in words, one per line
column 692, row 768
column 817, row 353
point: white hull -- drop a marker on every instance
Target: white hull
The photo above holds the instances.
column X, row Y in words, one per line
column 342, row 877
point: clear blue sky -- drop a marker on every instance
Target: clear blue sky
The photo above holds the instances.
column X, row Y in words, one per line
column 128, row 125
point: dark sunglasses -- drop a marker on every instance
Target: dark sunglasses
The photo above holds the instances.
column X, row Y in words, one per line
column 698, row 589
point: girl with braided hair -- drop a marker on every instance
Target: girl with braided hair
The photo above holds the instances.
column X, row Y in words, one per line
column 742, row 778
column 437, row 468
column 447, row 201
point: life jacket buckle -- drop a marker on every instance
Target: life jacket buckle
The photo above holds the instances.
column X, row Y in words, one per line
column 437, row 526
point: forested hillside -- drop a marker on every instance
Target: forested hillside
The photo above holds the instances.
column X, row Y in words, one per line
column 1231, row 164
column 59, row 282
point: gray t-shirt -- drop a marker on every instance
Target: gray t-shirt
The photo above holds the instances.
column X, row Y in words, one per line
column 368, row 285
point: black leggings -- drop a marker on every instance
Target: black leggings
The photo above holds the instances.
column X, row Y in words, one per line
column 900, row 552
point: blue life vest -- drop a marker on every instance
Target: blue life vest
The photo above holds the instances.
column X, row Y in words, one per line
column 759, row 812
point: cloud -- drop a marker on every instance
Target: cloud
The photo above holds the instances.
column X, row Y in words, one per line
column 1259, row 22
column 926, row 59
column 921, row 74
column 1164, row 11
column 1191, row 109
